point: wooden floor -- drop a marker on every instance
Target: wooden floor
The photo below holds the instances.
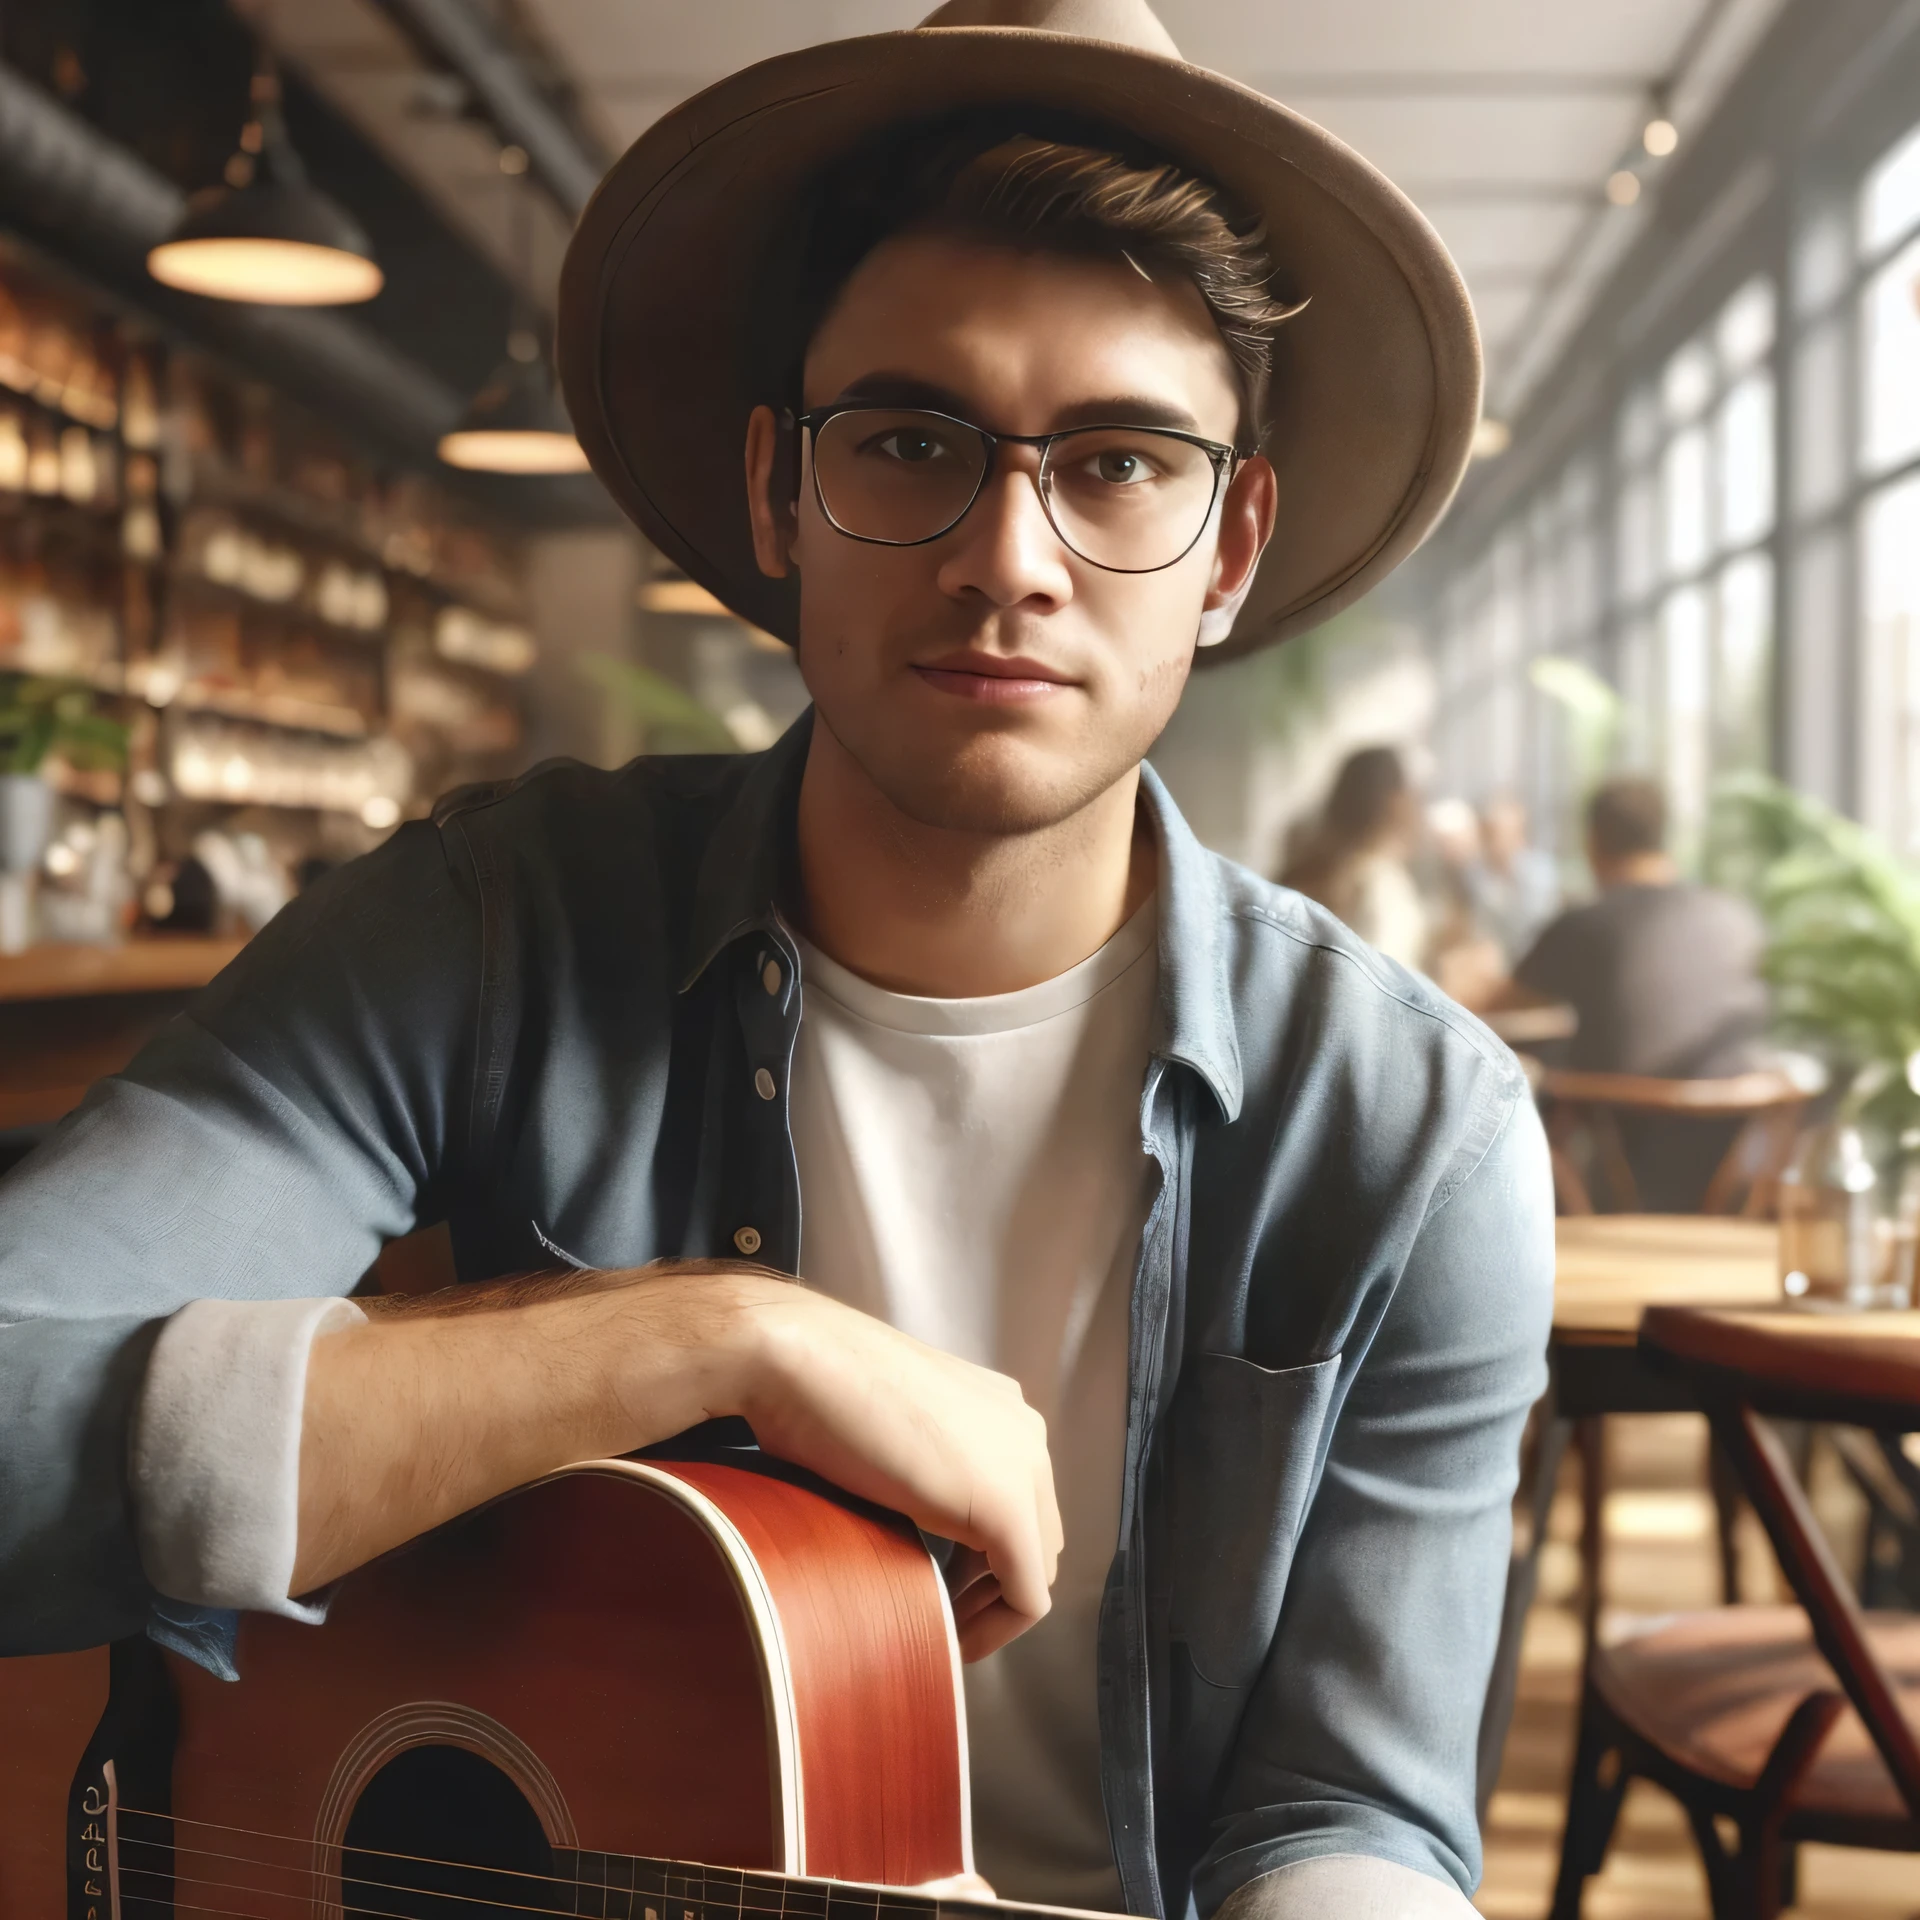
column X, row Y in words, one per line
column 1660, row 1558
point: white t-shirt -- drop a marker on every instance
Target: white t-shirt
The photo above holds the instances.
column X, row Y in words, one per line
column 971, row 1172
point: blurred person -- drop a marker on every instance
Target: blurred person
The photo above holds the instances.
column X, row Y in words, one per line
column 1165, row 1248
column 1512, row 884
column 1460, row 954
column 1356, row 858
column 1664, row 976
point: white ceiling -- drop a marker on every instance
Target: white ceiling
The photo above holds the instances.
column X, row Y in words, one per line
column 1501, row 118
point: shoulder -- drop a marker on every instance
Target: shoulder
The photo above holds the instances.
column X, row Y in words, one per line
column 1305, row 982
column 562, row 795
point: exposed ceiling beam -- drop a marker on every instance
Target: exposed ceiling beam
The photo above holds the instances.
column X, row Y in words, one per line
column 454, row 34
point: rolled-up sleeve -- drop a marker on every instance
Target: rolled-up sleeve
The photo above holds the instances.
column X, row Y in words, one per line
column 262, row 1147
column 1360, row 1736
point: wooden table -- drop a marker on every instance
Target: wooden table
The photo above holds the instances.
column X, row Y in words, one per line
column 1609, row 1269
column 1533, row 1026
column 69, row 1014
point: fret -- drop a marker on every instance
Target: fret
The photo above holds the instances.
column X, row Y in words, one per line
column 619, row 1886
column 764, row 1894
column 805, row 1900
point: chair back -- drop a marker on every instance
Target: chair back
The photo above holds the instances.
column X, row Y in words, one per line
column 1745, row 1182
column 1857, row 1369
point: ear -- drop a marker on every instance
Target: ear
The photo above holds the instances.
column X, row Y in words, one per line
column 770, row 504
column 1246, row 525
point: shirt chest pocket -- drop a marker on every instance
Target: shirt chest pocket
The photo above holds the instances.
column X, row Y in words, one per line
column 1242, row 1468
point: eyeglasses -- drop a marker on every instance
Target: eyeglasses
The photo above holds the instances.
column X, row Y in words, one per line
column 1127, row 499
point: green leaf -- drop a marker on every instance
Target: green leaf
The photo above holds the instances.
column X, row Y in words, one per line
column 657, row 703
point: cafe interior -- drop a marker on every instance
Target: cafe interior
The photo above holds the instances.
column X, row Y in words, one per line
column 296, row 538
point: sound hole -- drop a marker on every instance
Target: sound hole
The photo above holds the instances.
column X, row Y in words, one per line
column 437, row 1805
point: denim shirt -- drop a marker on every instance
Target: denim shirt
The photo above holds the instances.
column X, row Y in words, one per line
column 546, row 1017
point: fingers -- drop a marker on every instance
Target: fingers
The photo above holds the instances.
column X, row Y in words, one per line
column 989, row 1630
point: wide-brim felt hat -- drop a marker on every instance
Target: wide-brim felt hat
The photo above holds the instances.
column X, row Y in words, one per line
column 1376, row 381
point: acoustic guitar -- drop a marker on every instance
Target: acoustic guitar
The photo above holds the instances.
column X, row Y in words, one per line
column 658, row 1690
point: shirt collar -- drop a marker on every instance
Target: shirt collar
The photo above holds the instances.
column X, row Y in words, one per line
column 751, row 863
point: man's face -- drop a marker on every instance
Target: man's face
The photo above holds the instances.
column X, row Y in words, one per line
column 992, row 681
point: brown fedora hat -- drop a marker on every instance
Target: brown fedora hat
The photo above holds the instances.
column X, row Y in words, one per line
column 1376, row 385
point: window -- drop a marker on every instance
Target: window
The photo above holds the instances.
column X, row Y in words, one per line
column 1889, row 522
column 1696, row 508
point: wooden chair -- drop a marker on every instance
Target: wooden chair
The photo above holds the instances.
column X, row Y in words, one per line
column 1771, row 1105
column 1768, row 1101
column 1770, row 1725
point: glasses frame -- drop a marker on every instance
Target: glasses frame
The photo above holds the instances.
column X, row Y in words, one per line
column 1226, row 462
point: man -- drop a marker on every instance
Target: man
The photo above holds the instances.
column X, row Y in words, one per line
column 1665, row 978
column 1166, row 1248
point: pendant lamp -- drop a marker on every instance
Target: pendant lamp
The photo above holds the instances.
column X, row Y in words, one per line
column 269, row 235
column 515, row 423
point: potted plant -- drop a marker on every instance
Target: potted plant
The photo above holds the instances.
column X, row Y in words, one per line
column 38, row 717
column 1842, row 913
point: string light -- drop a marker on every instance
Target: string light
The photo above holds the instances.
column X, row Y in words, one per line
column 1623, row 188
column 1659, row 136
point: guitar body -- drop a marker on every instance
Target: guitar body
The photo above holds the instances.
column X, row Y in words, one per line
column 629, row 1662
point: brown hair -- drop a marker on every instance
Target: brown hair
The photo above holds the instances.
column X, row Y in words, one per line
column 1070, row 189
column 1368, row 799
column 1627, row 816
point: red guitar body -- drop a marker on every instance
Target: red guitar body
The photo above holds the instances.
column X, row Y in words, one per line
column 627, row 1663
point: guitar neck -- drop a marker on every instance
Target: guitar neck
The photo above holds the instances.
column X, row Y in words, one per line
column 634, row 1888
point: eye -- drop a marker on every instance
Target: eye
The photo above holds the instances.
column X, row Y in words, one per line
column 911, row 446
column 1121, row 467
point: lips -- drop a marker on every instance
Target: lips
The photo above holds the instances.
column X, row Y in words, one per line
column 992, row 679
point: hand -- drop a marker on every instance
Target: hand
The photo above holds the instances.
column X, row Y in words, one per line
column 439, row 1403
column 951, row 1445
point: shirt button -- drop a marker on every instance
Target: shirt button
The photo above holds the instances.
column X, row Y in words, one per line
column 770, row 976
column 763, row 1083
column 747, row 1239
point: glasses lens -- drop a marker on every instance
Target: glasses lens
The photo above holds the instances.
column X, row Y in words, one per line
column 1129, row 498
column 898, row 477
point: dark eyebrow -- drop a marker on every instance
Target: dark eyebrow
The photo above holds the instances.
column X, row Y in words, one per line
column 1119, row 410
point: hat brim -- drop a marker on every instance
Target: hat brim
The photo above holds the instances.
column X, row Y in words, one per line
column 1376, row 384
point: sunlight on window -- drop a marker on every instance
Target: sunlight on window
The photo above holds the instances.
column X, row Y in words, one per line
column 1685, row 742
column 1890, row 324
column 1744, row 458
column 1891, row 596
column 1743, row 665
column 1683, row 489
column 1890, row 199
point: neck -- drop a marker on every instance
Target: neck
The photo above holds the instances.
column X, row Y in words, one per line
column 1637, row 870
column 953, row 914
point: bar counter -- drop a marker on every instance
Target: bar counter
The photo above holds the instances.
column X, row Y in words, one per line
column 69, row 1014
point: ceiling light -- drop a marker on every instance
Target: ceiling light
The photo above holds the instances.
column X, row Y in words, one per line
column 1660, row 136
column 513, row 160
column 1491, row 438
column 515, row 424
column 275, row 238
column 1623, row 188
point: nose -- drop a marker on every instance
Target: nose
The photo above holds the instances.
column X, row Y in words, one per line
column 1006, row 550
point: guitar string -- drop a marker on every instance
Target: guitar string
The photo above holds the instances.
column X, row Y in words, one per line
column 750, row 1878
column 305, row 1895
column 320, row 1873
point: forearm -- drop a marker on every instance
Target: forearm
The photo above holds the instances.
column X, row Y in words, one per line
column 1354, row 1885
column 421, row 1413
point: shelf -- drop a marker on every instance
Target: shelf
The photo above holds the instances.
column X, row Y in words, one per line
column 216, row 486
column 290, row 713
column 295, row 608
column 56, row 971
